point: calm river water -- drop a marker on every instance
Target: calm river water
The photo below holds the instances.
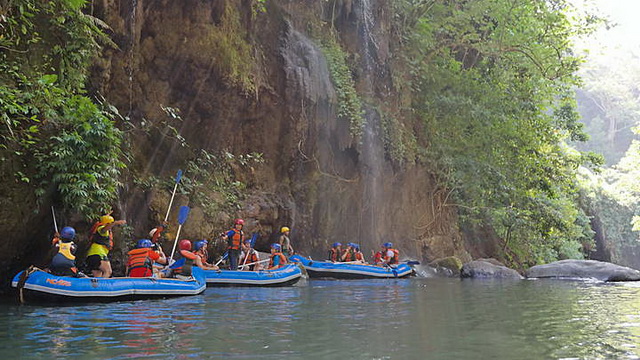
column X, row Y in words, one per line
column 417, row 318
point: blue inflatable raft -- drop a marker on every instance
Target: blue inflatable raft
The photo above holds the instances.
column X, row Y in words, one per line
column 38, row 285
column 327, row 269
column 285, row 276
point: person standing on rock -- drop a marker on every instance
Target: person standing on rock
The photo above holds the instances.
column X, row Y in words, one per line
column 101, row 243
column 234, row 238
column 285, row 242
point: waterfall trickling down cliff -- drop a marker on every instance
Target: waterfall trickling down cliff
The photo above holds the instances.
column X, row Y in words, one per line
column 372, row 150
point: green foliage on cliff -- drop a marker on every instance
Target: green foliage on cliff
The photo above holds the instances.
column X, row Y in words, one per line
column 349, row 104
column 212, row 180
column 66, row 146
column 491, row 83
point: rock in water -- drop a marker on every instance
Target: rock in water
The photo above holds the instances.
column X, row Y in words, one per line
column 486, row 270
column 447, row 265
column 584, row 269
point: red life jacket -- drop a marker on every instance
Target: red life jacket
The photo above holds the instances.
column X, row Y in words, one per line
column 377, row 258
column 235, row 241
column 350, row 255
column 394, row 259
column 334, row 255
column 283, row 259
column 139, row 258
column 358, row 256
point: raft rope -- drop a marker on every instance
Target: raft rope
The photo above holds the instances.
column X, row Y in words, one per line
column 23, row 281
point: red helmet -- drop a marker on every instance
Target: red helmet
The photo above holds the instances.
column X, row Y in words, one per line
column 239, row 222
column 185, row 244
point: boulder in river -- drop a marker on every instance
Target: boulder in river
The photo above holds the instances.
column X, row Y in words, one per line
column 584, row 269
column 449, row 265
column 481, row 269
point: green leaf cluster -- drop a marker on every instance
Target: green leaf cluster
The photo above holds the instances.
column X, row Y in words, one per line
column 349, row 103
column 212, row 179
column 491, row 82
column 68, row 147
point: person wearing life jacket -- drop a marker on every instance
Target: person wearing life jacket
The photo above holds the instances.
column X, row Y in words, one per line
column 101, row 237
column 64, row 261
column 348, row 254
column 249, row 256
column 285, row 242
column 235, row 238
column 200, row 249
column 390, row 256
column 188, row 259
column 277, row 260
column 141, row 259
column 357, row 254
column 335, row 252
column 156, row 233
column 377, row 256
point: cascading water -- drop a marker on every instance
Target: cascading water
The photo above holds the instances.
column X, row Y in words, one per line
column 372, row 149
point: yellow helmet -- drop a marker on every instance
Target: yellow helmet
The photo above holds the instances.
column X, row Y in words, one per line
column 284, row 229
column 106, row 219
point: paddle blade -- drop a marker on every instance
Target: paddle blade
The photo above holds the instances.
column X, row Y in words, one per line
column 182, row 215
column 178, row 176
column 254, row 237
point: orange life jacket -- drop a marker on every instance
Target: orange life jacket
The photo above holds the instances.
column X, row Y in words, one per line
column 139, row 258
column 283, row 259
column 249, row 258
column 394, row 259
column 377, row 258
column 235, row 241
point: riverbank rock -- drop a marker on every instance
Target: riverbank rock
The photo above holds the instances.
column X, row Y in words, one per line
column 584, row 269
column 450, row 265
column 482, row 269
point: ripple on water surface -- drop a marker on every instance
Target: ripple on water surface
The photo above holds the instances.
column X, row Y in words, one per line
column 391, row 318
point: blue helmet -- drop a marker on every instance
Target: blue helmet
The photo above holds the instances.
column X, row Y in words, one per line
column 68, row 233
column 200, row 244
column 355, row 246
column 387, row 244
column 144, row 243
column 276, row 246
column 336, row 244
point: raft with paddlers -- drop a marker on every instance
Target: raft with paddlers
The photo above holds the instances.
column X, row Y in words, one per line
column 38, row 285
column 341, row 270
column 285, row 276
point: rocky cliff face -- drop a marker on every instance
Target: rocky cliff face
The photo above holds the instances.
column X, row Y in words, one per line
column 318, row 179
column 248, row 79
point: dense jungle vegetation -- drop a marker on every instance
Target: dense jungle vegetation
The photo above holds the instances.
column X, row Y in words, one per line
column 489, row 109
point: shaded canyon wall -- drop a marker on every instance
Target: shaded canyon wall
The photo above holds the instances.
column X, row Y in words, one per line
column 318, row 179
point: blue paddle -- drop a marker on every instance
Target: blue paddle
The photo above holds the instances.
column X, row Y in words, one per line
column 182, row 217
column 178, row 177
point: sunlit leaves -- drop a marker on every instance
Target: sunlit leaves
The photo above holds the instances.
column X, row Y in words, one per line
column 490, row 80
